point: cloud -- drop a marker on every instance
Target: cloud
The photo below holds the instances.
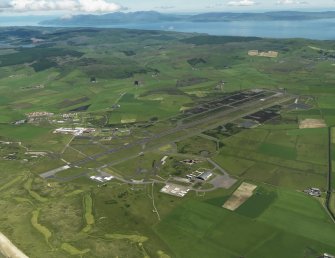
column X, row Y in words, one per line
column 97, row 6
column 242, row 3
column 216, row 5
column 290, row 2
column 165, row 7
column 61, row 5
column 4, row 4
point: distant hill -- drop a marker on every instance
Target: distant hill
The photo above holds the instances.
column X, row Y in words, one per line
column 267, row 16
column 151, row 16
column 115, row 18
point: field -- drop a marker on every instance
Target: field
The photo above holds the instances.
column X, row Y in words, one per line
column 282, row 157
column 278, row 231
column 162, row 108
column 241, row 195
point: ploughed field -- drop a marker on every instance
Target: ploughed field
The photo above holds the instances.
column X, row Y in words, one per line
column 160, row 108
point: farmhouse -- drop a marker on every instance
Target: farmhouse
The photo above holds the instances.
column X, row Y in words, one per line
column 316, row 192
column 20, row 122
column 116, row 106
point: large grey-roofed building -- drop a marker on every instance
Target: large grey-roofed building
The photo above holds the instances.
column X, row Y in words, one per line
column 205, row 176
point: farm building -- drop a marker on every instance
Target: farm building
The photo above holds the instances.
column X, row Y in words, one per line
column 313, row 192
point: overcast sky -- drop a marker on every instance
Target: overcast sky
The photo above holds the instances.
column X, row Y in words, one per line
column 14, row 7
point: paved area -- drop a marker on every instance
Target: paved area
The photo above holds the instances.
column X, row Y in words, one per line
column 176, row 190
column 224, row 180
column 53, row 172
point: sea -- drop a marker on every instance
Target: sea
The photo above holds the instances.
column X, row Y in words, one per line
column 322, row 29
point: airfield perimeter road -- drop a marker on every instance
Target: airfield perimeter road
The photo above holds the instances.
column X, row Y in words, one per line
column 209, row 121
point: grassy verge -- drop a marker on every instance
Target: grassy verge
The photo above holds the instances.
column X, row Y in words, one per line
column 132, row 238
column 75, row 192
column 73, row 250
column 10, row 183
column 40, row 228
column 161, row 254
column 89, row 217
column 33, row 194
column 332, row 203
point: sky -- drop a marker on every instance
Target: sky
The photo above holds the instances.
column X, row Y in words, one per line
column 63, row 7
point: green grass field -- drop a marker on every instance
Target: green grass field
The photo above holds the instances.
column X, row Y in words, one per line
column 284, row 219
column 281, row 157
column 133, row 86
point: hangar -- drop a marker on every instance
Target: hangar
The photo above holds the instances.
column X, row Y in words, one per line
column 205, row 175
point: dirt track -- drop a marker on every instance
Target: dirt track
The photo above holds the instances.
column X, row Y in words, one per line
column 8, row 249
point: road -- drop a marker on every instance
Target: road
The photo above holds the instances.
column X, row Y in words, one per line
column 330, row 172
column 8, row 249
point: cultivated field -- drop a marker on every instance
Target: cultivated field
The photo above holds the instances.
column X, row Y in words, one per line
column 241, row 195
